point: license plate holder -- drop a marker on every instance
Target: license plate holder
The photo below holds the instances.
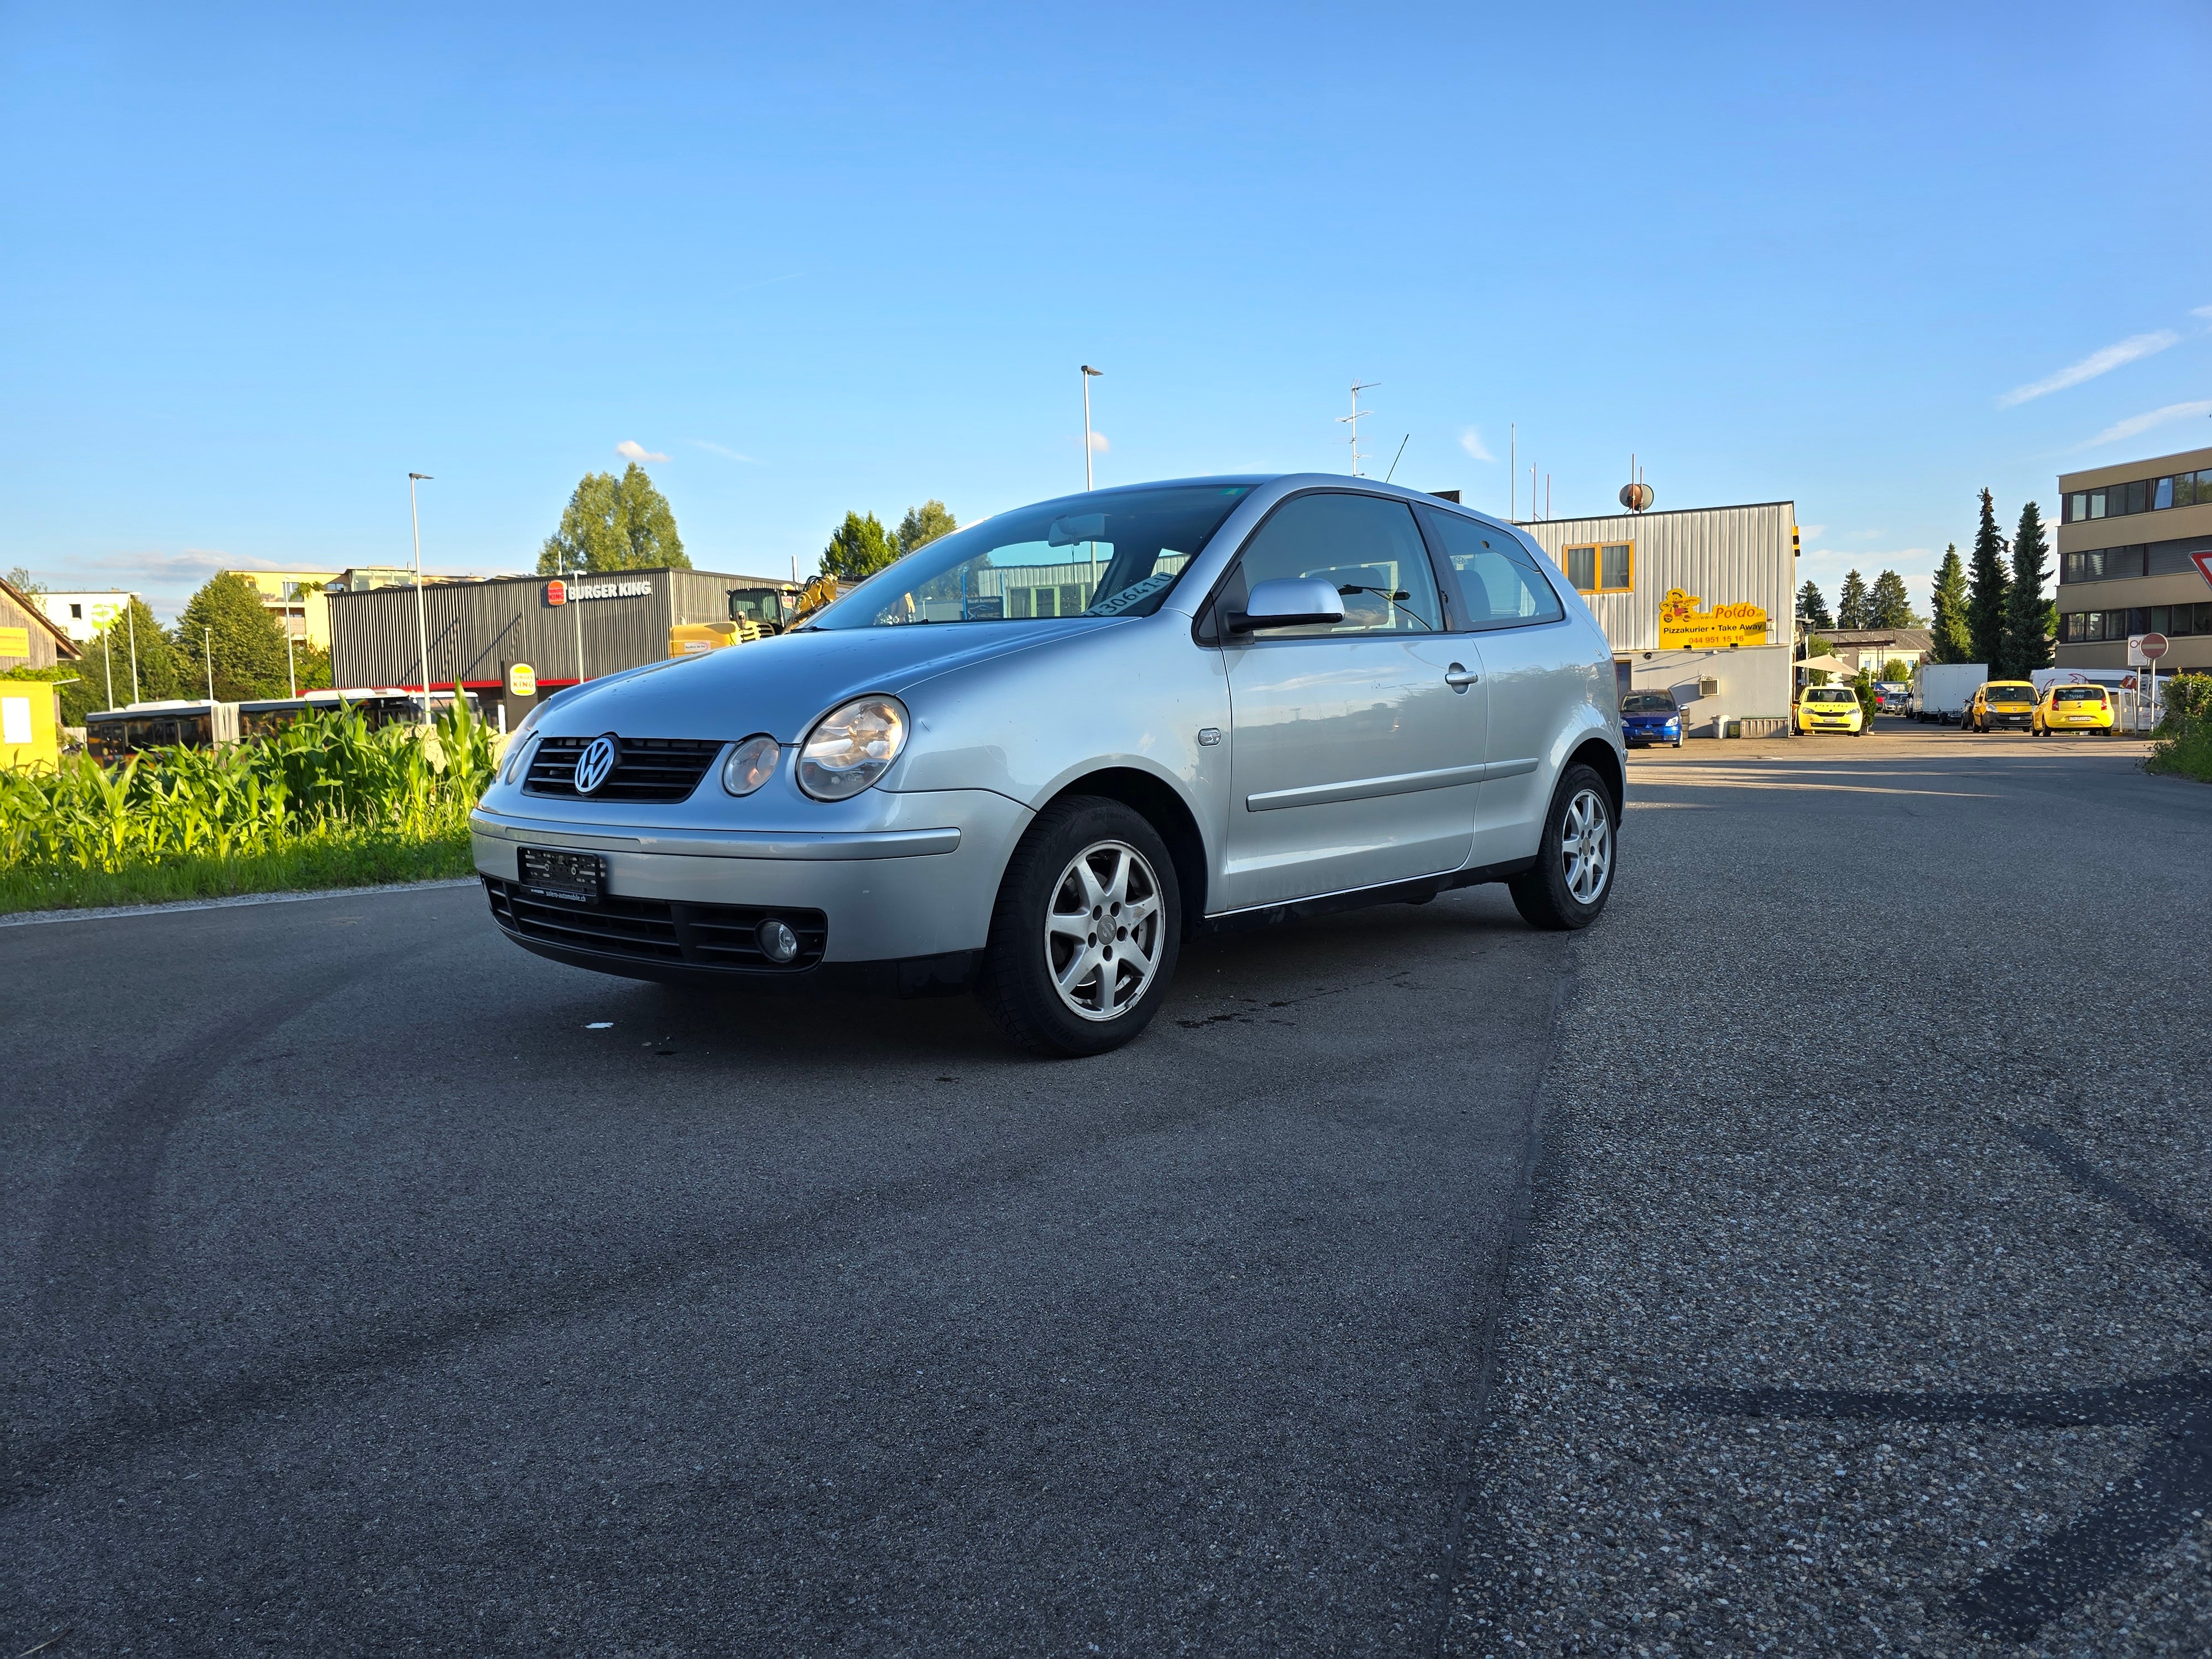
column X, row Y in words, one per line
column 562, row 875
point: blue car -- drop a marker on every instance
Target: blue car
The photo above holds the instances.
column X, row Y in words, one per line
column 1648, row 717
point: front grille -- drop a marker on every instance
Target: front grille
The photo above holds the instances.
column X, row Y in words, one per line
column 658, row 930
column 651, row 769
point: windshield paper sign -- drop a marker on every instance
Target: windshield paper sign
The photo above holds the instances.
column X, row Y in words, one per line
column 1683, row 626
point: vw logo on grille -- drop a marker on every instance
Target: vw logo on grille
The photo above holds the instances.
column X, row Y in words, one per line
column 597, row 763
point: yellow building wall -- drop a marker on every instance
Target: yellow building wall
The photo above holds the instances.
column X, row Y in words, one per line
column 30, row 731
column 315, row 609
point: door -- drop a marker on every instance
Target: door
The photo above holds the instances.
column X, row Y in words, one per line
column 1536, row 664
column 1355, row 759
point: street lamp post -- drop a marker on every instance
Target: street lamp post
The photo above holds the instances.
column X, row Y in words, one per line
column 421, row 614
column 207, row 661
column 291, row 666
column 1089, row 374
column 130, row 611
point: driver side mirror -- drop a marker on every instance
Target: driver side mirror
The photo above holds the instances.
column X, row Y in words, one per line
column 1289, row 602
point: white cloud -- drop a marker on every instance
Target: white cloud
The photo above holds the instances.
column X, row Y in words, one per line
column 1471, row 441
column 718, row 449
column 2097, row 363
column 2135, row 424
column 1812, row 532
column 1098, row 443
column 2202, row 311
column 631, row 450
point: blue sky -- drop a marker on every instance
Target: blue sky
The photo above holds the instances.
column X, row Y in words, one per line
column 260, row 263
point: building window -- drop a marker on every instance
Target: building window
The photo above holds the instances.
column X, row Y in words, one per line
column 1600, row 568
column 2142, row 496
column 2101, row 563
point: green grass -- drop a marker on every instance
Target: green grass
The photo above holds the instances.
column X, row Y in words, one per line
column 325, row 859
column 2187, row 755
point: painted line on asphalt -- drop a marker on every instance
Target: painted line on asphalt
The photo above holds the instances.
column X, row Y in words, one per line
column 109, row 912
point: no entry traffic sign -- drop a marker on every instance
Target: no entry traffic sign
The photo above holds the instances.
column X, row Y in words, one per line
column 2144, row 649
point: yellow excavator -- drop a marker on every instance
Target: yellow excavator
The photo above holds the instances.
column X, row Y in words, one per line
column 756, row 613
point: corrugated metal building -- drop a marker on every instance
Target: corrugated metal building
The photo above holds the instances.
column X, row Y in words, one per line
column 478, row 629
column 1700, row 602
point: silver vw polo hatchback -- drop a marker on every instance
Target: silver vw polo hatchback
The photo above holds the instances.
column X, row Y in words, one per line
column 1033, row 758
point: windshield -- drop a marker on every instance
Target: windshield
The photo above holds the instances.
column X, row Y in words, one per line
column 1111, row 553
column 759, row 604
column 1831, row 694
column 2011, row 693
column 1647, row 702
column 2078, row 694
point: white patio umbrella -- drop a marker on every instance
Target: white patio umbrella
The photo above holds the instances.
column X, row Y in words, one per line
column 1829, row 665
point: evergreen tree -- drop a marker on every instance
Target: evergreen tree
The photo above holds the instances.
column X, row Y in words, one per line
column 1813, row 608
column 1952, row 642
column 615, row 524
column 2027, row 613
column 161, row 674
column 924, row 525
column 226, row 621
column 859, row 548
column 1986, row 585
column 1888, row 605
column 1851, row 607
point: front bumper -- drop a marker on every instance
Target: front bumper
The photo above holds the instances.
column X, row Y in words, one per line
column 884, row 895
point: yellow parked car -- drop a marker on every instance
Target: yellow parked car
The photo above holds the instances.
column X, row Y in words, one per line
column 2073, row 708
column 1830, row 709
column 2000, row 703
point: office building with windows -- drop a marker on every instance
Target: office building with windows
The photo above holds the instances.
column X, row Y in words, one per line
column 2126, row 537
column 1698, row 602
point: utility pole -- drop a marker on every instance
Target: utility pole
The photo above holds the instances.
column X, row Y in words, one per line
column 1089, row 375
column 1512, row 471
column 107, row 650
column 291, row 666
column 422, row 613
column 575, row 592
column 130, row 611
column 207, row 661
column 1353, row 421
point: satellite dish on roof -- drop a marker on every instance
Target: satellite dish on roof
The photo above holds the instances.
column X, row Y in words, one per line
column 1636, row 496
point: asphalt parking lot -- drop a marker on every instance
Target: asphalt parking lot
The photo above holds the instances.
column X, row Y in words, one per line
column 377, row 1287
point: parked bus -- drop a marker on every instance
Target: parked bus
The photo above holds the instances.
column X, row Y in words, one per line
column 113, row 735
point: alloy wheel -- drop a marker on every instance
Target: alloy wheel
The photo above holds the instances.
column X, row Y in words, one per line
column 1586, row 846
column 1102, row 930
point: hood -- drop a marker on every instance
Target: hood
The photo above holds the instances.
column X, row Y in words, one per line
column 781, row 685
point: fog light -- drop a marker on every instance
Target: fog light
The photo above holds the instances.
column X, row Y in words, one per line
column 777, row 942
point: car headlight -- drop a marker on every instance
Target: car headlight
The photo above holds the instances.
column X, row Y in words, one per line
column 852, row 746
column 750, row 764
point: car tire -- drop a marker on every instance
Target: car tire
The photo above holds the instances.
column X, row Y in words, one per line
column 1559, row 893
column 1033, row 951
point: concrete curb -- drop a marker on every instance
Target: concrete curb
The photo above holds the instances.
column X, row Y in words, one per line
column 28, row 918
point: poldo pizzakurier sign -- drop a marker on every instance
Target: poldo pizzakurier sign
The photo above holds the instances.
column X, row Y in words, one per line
column 1683, row 626
column 562, row 593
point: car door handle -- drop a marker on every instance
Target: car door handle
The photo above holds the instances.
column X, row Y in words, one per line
column 1459, row 678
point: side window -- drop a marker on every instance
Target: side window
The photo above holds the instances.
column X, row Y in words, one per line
column 1368, row 549
column 1497, row 588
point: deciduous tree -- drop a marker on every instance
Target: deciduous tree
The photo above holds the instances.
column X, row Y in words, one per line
column 227, row 624
column 859, row 548
column 615, row 524
column 1987, row 586
column 2027, row 613
column 1952, row 642
column 1813, row 608
column 1851, row 609
column 1888, row 605
column 160, row 674
column 924, row 525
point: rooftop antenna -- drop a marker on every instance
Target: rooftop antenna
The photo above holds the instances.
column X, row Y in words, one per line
column 1397, row 458
column 1353, row 421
